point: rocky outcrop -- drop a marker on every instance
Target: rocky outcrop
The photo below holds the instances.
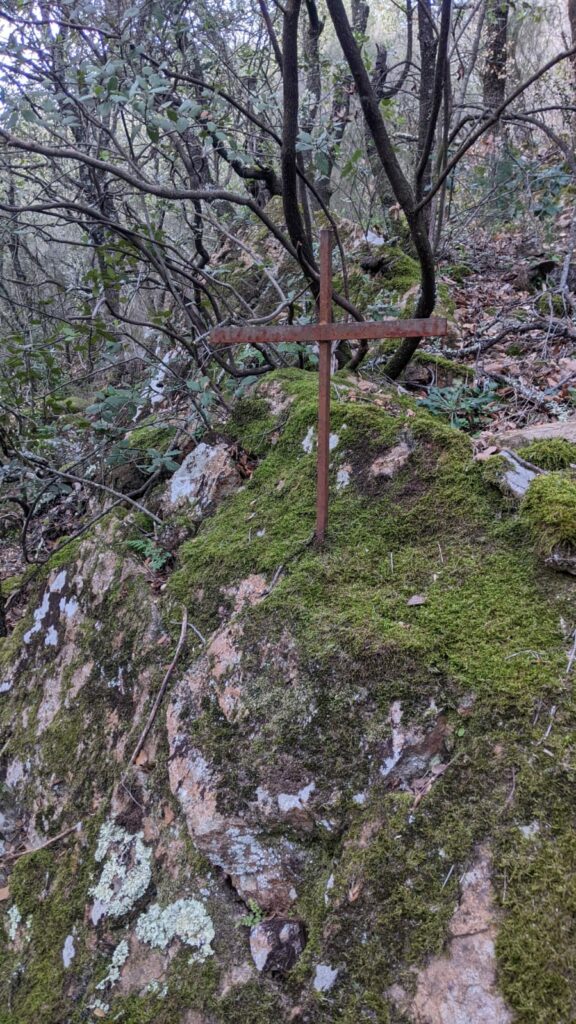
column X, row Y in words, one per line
column 322, row 821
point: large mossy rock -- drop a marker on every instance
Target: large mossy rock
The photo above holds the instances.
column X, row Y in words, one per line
column 356, row 802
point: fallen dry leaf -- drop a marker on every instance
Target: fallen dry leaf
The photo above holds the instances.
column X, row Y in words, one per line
column 416, row 600
column 487, row 453
column 354, row 892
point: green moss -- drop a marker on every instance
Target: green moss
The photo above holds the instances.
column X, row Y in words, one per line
column 551, row 302
column 150, row 435
column 552, row 453
column 494, row 469
column 252, row 424
column 195, row 988
column 63, row 742
column 50, row 890
column 445, row 304
column 549, row 511
column 383, row 292
column 537, row 941
column 449, row 366
column 459, row 272
column 403, row 272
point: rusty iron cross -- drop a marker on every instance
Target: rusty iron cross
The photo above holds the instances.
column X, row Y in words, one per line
column 323, row 333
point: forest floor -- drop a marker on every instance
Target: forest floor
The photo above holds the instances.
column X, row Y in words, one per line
column 516, row 343
column 508, row 364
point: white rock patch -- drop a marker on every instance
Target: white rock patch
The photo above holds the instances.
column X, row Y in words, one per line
column 309, row 441
column 68, row 951
column 69, row 607
column 343, row 478
column 397, row 739
column 14, row 920
column 295, row 801
column 39, row 616
column 207, row 474
column 324, row 977
column 51, row 638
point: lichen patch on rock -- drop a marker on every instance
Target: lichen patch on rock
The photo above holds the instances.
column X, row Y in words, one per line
column 186, row 920
column 126, row 871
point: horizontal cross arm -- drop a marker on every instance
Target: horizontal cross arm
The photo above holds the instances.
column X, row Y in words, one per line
column 367, row 330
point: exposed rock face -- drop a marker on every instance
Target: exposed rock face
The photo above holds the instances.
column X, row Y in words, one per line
column 388, row 465
column 460, row 987
column 563, row 559
column 207, row 475
column 290, row 842
column 260, row 868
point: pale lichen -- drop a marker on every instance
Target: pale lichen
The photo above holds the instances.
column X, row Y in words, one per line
column 126, row 873
column 186, row 920
column 119, row 958
column 14, row 920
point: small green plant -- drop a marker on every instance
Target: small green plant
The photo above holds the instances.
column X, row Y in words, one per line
column 255, row 916
column 152, row 552
column 463, row 404
column 157, row 461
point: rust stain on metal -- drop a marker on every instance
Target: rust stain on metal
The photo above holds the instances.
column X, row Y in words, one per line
column 369, row 330
column 324, row 372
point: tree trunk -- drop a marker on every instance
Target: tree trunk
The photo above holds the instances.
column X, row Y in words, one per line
column 427, row 40
column 398, row 180
column 494, row 73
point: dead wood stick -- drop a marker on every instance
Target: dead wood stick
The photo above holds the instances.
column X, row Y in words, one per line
column 162, row 690
column 571, row 656
column 530, row 394
column 568, row 257
column 43, row 846
column 481, row 345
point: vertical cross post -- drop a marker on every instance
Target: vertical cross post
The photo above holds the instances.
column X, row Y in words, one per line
column 324, row 373
column 323, row 333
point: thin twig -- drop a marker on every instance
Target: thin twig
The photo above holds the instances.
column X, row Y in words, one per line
column 162, row 689
column 197, row 631
column 447, row 879
column 571, row 656
column 43, row 846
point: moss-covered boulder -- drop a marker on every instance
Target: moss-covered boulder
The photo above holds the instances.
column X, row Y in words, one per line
column 354, row 802
column 551, row 453
column 549, row 512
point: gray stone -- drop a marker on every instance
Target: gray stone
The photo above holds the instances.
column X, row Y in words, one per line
column 207, row 475
column 276, row 945
column 324, row 977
